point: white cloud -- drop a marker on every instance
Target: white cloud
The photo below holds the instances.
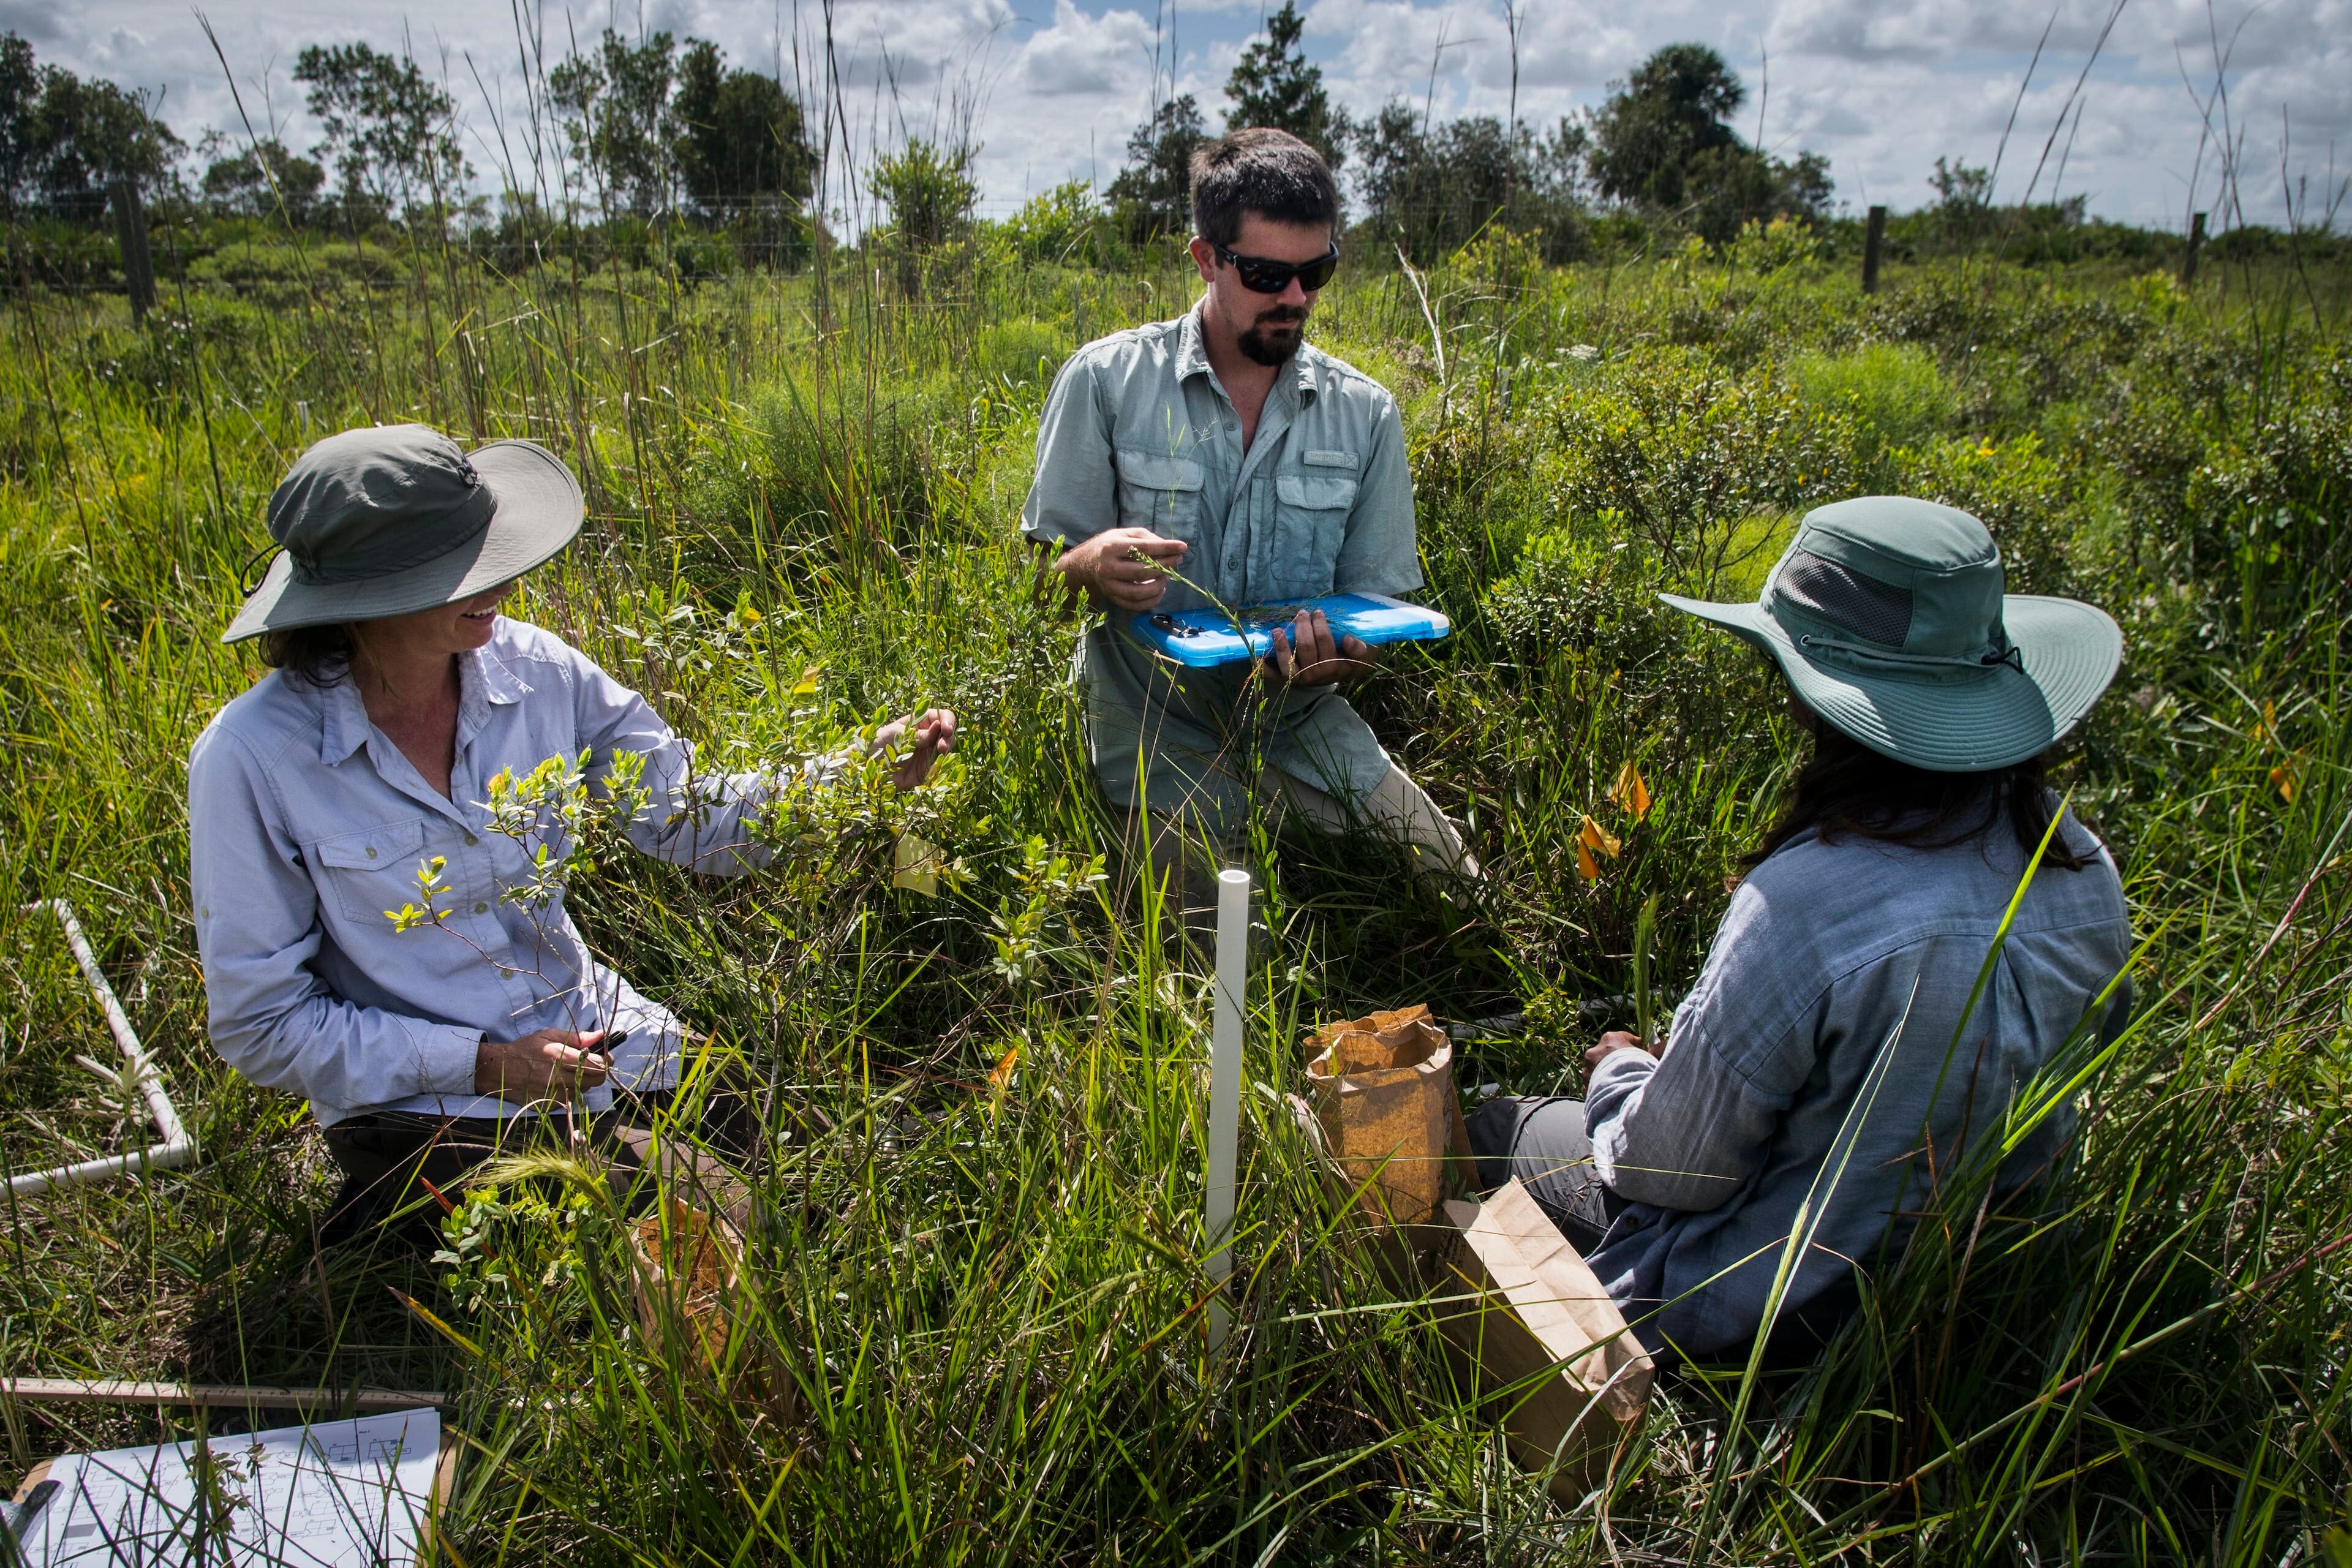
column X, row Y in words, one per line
column 1082, row 55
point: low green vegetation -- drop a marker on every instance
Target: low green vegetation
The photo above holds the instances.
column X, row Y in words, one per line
column 977, row 1257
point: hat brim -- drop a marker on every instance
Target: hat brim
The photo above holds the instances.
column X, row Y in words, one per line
column 538, row 511
column 2070, row 651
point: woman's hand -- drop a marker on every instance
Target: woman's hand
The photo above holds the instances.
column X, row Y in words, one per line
column 546, row 1064
column 935, row 737
column 1612, row 1042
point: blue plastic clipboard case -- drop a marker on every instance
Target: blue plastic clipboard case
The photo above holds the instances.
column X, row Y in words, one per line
column 1203, row 637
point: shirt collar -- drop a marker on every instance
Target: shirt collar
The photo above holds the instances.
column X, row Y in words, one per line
column 498, row 682
column 1302, row 376
column 1192, row 353
column 483, row 681
column 344, row 720
column 1193, row 359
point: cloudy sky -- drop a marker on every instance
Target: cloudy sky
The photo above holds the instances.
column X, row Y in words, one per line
column 1053, row 87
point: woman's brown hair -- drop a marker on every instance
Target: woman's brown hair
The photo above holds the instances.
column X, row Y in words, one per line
column 317, row 656
column 1847, row 790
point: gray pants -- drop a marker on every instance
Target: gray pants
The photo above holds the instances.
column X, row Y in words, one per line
column 1541, row 1140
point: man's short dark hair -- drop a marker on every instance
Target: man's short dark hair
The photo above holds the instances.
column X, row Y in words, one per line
column 1270, row 172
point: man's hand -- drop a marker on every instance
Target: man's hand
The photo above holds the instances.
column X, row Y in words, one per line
column 546, row 1064
column 1104, row 567
column 1612, row 1042
column 935, row 737
column 1311, row 656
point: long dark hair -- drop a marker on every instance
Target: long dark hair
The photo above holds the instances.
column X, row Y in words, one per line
column 1847, row 790
column 317, row 656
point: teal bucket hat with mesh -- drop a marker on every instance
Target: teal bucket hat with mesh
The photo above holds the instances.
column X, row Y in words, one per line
column 1887, row 616
column 394, row 518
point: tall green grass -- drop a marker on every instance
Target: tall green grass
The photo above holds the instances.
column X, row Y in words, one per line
column 975, row 1256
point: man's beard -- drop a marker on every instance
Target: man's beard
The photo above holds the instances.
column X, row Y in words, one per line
column 1258, row 347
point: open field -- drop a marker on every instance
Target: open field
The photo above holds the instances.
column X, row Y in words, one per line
column 803, row 495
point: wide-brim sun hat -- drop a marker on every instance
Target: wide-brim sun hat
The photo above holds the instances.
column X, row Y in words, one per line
column 394, row 518
column 1888, row 617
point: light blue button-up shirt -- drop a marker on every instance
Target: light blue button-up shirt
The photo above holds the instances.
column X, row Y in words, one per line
column 1718, row 1143
column 306, row 824
column 1138, row 432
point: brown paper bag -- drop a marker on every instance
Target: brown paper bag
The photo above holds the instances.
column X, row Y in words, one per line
column 690, row 1277
column 1549, row 1351
column 1382, row 1092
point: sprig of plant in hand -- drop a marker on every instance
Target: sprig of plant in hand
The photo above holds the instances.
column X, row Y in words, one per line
column 429, row 887
column 562, row 819
column 1215, row 603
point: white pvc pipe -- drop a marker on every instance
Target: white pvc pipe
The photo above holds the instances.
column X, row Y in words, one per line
column 1225, row 1088
column 178, row 1147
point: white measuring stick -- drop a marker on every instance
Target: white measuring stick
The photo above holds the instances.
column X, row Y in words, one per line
column 1225, row 1088
column 178, row 1147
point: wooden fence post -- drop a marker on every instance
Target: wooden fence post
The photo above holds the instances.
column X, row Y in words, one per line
column 2196, row 244
column 1874, row 240
column 130, row 238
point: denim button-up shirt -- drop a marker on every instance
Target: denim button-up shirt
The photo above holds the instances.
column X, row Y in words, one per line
column 305, row 824
column 1823, row 948
column 1138, row 432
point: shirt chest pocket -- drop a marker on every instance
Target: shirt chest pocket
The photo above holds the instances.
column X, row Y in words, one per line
column 370, row 871
column 1161, row 493
column 1311, row 523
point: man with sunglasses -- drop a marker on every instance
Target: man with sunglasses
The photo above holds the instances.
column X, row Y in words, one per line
column 1220, row 454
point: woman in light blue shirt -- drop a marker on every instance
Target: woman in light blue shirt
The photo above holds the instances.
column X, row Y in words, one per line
column 1858, row 932
column 315, row 798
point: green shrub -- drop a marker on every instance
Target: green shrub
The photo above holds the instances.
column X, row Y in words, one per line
column 1892, row 393
column 1688, row 457
column 1762, row 248
column 1064, row 226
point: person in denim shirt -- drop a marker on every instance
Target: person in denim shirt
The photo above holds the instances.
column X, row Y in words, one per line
column 1222, row 450
column 1834, row 1063
column 316, row 798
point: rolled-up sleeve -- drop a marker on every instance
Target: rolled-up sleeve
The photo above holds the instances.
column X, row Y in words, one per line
column 1380, row 553
column 258, row 932
column 1075, row 493
column 1687, row 1130
column 699, row 820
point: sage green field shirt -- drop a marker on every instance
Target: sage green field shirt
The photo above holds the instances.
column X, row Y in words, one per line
column 1139, row 433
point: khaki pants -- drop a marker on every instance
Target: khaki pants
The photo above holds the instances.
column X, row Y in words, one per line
column 1183, row 855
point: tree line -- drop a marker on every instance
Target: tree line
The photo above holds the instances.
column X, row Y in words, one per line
column 659, row 125
column 1661, row 143
column 666, row 128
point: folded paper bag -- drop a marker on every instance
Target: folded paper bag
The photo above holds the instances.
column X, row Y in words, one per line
column 1528, row 1318
column 1382, row 1092
column 689, row 1283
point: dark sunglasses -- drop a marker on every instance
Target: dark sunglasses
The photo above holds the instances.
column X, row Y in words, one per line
column 1260, row 276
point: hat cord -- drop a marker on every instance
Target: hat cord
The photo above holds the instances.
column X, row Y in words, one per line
column 2007, row 653
column 265, row 557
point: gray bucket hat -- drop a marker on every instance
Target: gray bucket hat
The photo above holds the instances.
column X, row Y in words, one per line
column 1886, row 614
column 394, row 518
